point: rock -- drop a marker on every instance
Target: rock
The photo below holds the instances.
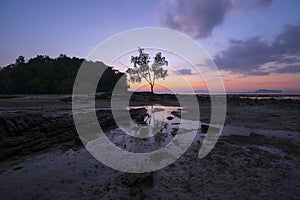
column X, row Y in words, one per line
column 137, row 193
column 17, row 168
column 2, row 122
column 77, row 142
column 170, row 118
column 176, row 113
column 141, row 180
column 174, row 131
column 21, row 124
column 204, row 128
column 138, row 115
column 10, row 126
column 253, row 134
column 68, row 144
column 40, row 147
column 68, row 99
column 106, row 95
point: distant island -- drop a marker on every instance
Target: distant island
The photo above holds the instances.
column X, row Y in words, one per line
column 267, row 91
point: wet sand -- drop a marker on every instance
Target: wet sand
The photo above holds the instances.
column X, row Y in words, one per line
column 256, row 157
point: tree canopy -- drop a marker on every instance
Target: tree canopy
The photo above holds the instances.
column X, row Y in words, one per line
column 45, row 75
column 142, row 70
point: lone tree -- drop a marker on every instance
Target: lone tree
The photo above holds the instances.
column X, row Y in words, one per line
column 142, row 69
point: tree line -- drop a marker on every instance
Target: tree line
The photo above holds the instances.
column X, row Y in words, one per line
column 45, row 75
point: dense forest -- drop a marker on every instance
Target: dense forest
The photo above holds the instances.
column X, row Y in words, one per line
column 45, row 75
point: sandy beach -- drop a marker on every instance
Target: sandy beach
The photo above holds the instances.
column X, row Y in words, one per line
column 256, row 157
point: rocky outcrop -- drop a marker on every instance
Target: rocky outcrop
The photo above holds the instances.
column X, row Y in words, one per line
column 23, row 134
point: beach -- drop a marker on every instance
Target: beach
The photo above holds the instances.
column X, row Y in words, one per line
column 256, row 157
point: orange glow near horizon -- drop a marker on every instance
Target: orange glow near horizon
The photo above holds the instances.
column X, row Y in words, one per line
column 286, row 81
column 232, row 82
column 175, row 83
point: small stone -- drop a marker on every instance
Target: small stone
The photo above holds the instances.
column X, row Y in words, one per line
column 17, row 168
column 170, row 118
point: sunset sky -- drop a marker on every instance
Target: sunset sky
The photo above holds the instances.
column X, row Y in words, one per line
column 254, row 43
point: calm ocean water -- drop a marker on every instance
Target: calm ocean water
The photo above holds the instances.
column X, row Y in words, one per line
column 270, row 96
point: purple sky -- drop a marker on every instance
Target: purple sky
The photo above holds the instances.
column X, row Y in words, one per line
column 249, row 38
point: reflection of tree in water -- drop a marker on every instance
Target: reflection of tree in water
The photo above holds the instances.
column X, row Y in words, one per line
column 155, row 124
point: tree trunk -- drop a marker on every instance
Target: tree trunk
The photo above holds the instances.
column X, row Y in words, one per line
column 152, row 88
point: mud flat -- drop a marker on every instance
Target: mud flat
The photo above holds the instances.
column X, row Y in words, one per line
column 256, row 157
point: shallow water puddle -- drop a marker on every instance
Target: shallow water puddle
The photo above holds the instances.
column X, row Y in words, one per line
column 151, row 128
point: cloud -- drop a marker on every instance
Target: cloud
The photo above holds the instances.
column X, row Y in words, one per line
column 264, row 3
column 259, row 4
column 198, row 18
column 184, row 71
column 288, row 40
column 288, row 60
column 290, row 69
column 250, row 56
